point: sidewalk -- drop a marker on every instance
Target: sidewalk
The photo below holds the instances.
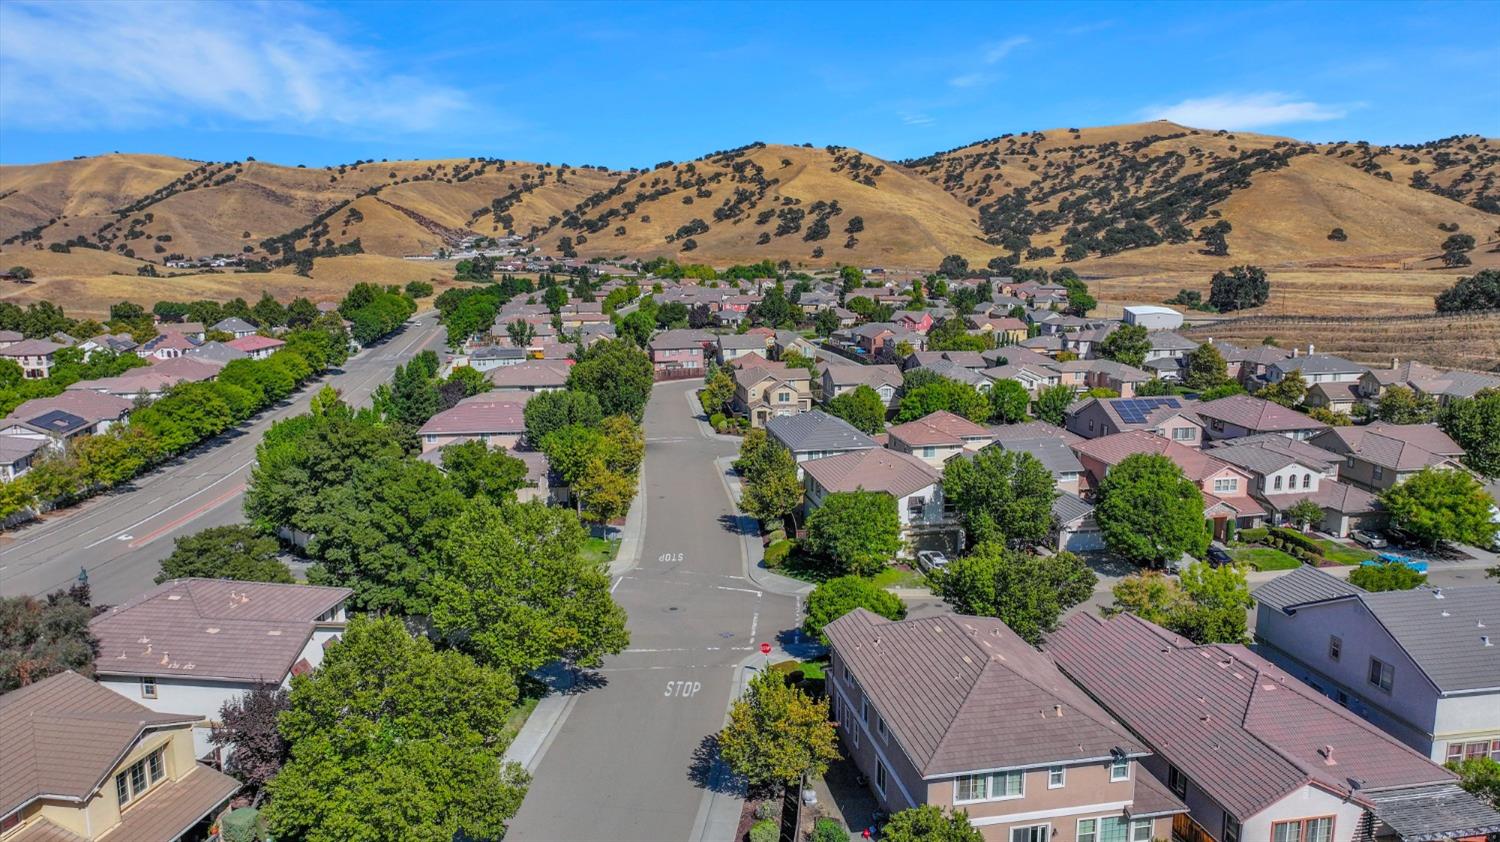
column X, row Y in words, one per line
column 754, row 552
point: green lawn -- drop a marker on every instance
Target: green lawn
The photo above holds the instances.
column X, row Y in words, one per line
column 1265, row 558
column 900, row 577
column 518, row 716
column 1343, row 554
column 800, row 566
column 600, row 549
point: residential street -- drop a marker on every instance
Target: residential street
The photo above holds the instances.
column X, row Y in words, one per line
column 121, row 537
column 623, row 764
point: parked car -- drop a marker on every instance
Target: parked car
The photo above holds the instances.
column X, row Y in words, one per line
column 1218, row 556
column 1369, row 539
column 931, row 560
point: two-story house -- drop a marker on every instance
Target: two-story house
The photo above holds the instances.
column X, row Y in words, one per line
column 1281, row 479
column 497, row 420
column 78, row 762
column 732, row 346
column 1243, row 415
column 679, row 350
column 816, row 434
column 958, row 711
column 937, row 437
column 1315, row 368
column 1378, row 456
column 839, row 379
column 530, row 376
column 34, row 356
column 916, row 486
column 1421, row 664
column 190, row 645
column 1255, row 754
column 1169, row 417
column 58, row 419
column 764, row 390
column 236, row 327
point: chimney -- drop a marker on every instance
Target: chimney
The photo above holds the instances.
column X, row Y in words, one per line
column 1485, row 640
column 1294, row 352
column 1310, row 349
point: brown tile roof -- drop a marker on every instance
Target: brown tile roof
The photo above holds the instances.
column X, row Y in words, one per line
column 1401, row 447
column 30, row 348
column 1243, row 730
column 45, row 831
column 1342, row 498
column 891, row 471
column 1256, row 414
column 962, row 693
column 169, row 809
column 93, row 406
column 61, row 736
column 873, row 376
column 1114, row 448
column 191, row 369
column 249, row 344
column 532, row 373
column 491, row 416
column 1032, row 430
column 241, row 631
column 1152, row 799
column 938, row 428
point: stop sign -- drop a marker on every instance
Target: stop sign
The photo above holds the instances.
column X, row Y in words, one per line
column 765, row 649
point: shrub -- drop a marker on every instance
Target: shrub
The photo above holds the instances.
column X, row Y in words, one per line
column 1254, row 536
column 764, row 831
column 1292, row 537
column 777, row 553
column 767, row 810
column 828, row 830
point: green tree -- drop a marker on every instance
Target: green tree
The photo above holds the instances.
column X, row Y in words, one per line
column 1479, row 292
column 836, row 597
column 1437, row 505
column 1028, row 593
column 862, row 408
column 777, row 734
column 637, row 326
column 718, row 391
column 226, row 552
column 385, row 713
column 1474, row 423
column 1149, row 512
column 954, row 266
column 1223, row 391
column 1126, row 344
column 771, row 489
column 39, row 638
column 859, row 532
column 1239, row 288
column 1001, row 495
column 268, row 312
column 549, row 411
column 520, row 332
column 555, row 297
column 1218, row 602
column 1304, row 513
column 773, row 310
column 826, row 321
column 1289, row 391
column 850, row 279
column 1009, row 401
column 930, row 823
column 1401, row 405
column 1155, row 387
column 1479, row 776
column 1205, row 368
column 943, row 394
column 515, row 592
column 616, row 373
column 474, row 469
column 1052, row 404
column 1386, row 576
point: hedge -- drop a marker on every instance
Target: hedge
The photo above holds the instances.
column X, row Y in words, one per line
column 1254, row 535
column 1297, row 539
column 778, row 551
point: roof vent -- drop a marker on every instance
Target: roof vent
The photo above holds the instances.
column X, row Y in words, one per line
column 1479, row 624
column 1444, row 614
column 1057, row 711
column 174, row 597
column 274, row 632
column 212, row 629
column 1437, row 593
column 1327, row 752
column 1485, row 639
column 1204, row 717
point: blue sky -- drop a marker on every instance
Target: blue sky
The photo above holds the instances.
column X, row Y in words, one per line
column 633, row 84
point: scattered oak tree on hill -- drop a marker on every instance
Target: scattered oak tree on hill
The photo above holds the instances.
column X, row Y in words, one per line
column 1239, row 288
column 1481, row 291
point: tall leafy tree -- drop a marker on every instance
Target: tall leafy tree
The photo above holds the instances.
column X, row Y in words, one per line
column 1126, row 344
column 1239, row 288
column 1052, row 404
column 249, row 723
column 1474, row 423
column 549, row 411
column 39, row 638
column 771, row 488
column 862, row 407
column 1210, row 604
column 930, row 823
column 1150, row 512
column 1009, row 401
column 1437, row 505
column 859, row 532
column 226, row 552
column 1479, row 292
column 387, row 714
column 836, row 597
column 617, row 374
column 1028, row 593
column 1401, row 405
column 939, row 394
column 777, row 734
column 1289, row 391
column 474, row 469
column 1001, row 495
column 1205, row 368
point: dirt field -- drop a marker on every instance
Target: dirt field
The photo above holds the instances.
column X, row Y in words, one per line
column 1471, row 342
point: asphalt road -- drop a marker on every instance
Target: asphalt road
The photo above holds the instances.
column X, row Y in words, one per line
column 121, row 537
column 626, row 763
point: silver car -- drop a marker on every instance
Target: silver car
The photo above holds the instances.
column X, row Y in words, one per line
column 930, row 560
column 1369, row 539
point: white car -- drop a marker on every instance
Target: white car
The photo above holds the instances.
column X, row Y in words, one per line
column 931, row 560
column 1369, row 539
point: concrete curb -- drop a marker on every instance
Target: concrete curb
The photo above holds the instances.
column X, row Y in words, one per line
column 752, row 553
column 629, row 554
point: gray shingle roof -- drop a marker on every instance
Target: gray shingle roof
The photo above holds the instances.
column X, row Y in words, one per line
column 1054, row 453
column 1442, row 635
column 1068, row 507
column 1301, row 586
column 1321, row 364
column 817, row 430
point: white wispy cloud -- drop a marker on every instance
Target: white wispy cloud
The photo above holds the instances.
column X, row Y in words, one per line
column 134, row 65
column 1245, row 111
column 915, row 118
column 1000, row 49
column 971, row 80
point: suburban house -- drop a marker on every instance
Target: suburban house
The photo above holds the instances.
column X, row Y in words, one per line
column 765, row 390
column 192, row 330
column 58, row 419
column 884, row 379
column 1225, row 487
column 492, row 357
column 679, row 350
column 82, row 763
column 1281, row 479
column 217, row 353
column 34, row 356
column 912, row 321
column 1118, row 377
column 1334, row 397
column 1056, row 456
column 166, row 346
column 17, row 454
column 190, row 645
column 938, row 437
column 871, row 337
column 10, row 337
column 732, row 346
column 1170, row 418
column 1242, row 415
column 115, row 343
column 1440, row 385
column 1006, row 329
column 916, row 486
column 1074, row 527
column 1420, row 664
column 496, row 422
column 236, row 327
column 1315, row 368
column 1033, row 377
column 789, row 340
column 816, row 434
column 530, row 376
column 1379, row 456
column 258, row 347
column 1253, row 752
column 960, row 712
column 1248, row 365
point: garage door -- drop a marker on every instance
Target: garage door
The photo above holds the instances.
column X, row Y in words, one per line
column 1083, row 540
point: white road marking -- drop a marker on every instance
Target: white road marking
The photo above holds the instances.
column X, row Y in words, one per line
column 114, row 536
column 741, row 590
column 754, row 624
column 616, row 584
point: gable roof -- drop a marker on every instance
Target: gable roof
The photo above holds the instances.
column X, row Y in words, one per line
column 1054, row 453
column 1115, row 448
column 938, row 428
column 1304, row 585
column 538, row 373
column 30, row 348
column 1320, row 364
column 1255, row 414
column 816, row 430
column 962, row 694
column 253, row 343
column 212, row 629
column 873, row 376
column 893, row 472
column 485, row 416
column 93, row 407
column 1400, row 447
column 1137, row 413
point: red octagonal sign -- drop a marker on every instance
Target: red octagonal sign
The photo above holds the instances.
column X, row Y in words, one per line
column 765, row 649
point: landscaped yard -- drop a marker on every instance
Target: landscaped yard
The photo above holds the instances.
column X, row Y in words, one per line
column 600, row 549
column 800, row 566
column 1343, row 553
column 1264, row 558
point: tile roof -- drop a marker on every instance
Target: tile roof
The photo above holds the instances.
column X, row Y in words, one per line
column 171, row 808
column 1401, row 447
column 1321, row 364
column 1331, row 494
column 1301, row 586
column 742, row 342
column 496, row 417
column 1068, row 507
column 1243, row 730
column 1055, row 454
column 14, row 448
column 62, row 735
column 250, row 344
column 938, row 428
column 897, row 474
column 962, row 693
column 91, row 406
column 1438, row 628
column 1032, row 430
column 42, row 830
column 240, row 631
column 185, row 368
column 30, row 348
column 235, row 324
column 532, row 373
column 1301, row 451
column 1256, row 414
column 216, row 352
column 873, row 376
column 816, row 430
column 1432, row 813
column 1153, row 799
column 1113, row 449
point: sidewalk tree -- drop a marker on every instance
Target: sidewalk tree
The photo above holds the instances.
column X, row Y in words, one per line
column 515, row 592
column 1052, row 404
column 549, row 411
column 859, row 532
column 771, row 489
column 1304, row 513
column 718, row 391
column 943, row 394
column 1205, row 368
column 1388, row 576
column 1029, row 593
column 1126, row 344
column 1150, row 512
column 1474, row 423
column 834, row 598
column 861, row 407
column 1001, row 495
column 1009, row 401
column 235, row 552
column 930, row 823
column 617, row 373
column 1289, row 391
column 1437, row 505
column 387, row 713
column 777, row 734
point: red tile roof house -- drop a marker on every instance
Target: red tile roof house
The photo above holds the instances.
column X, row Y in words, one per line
column 840, row 379
column 190, row 645
column 938, row 437
column 258, row 347
column 675, row 350
column 958, row 711
column 1257, row 755
column 1225, row 488
column 1379, row 456
column 1281, row 479
column 1242, row 415
column 1168, row 417
column 496, row 422
column 34, row 356
column 59, row 418
column 916, row 486
column 530, row 376
column 912, row 321
column 81, row 763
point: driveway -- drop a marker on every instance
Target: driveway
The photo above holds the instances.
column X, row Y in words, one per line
column 628, row 762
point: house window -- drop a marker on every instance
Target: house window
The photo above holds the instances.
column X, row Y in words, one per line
column 122, row 788
column 1471, row 750
column 880, row 776
column 1278, row 483
column 1177, row 782
column 1183, row 433
column 1379, row 472
column 155, row 766
column 1119, row 769
column 971, row 788
column 992, row 787
column 1231, row 829
column 148, row 688
column 1032, row 833
column 784, row 397
column 1091, row 425
column 1057, row 776
column 1229, row 486
column 1335, row 646
column 880, row 728
column 1303, row 830
column 1008, row 784
column 1349, row 461
column 1307, row 480
column 1382, row 674
column 929, row 452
